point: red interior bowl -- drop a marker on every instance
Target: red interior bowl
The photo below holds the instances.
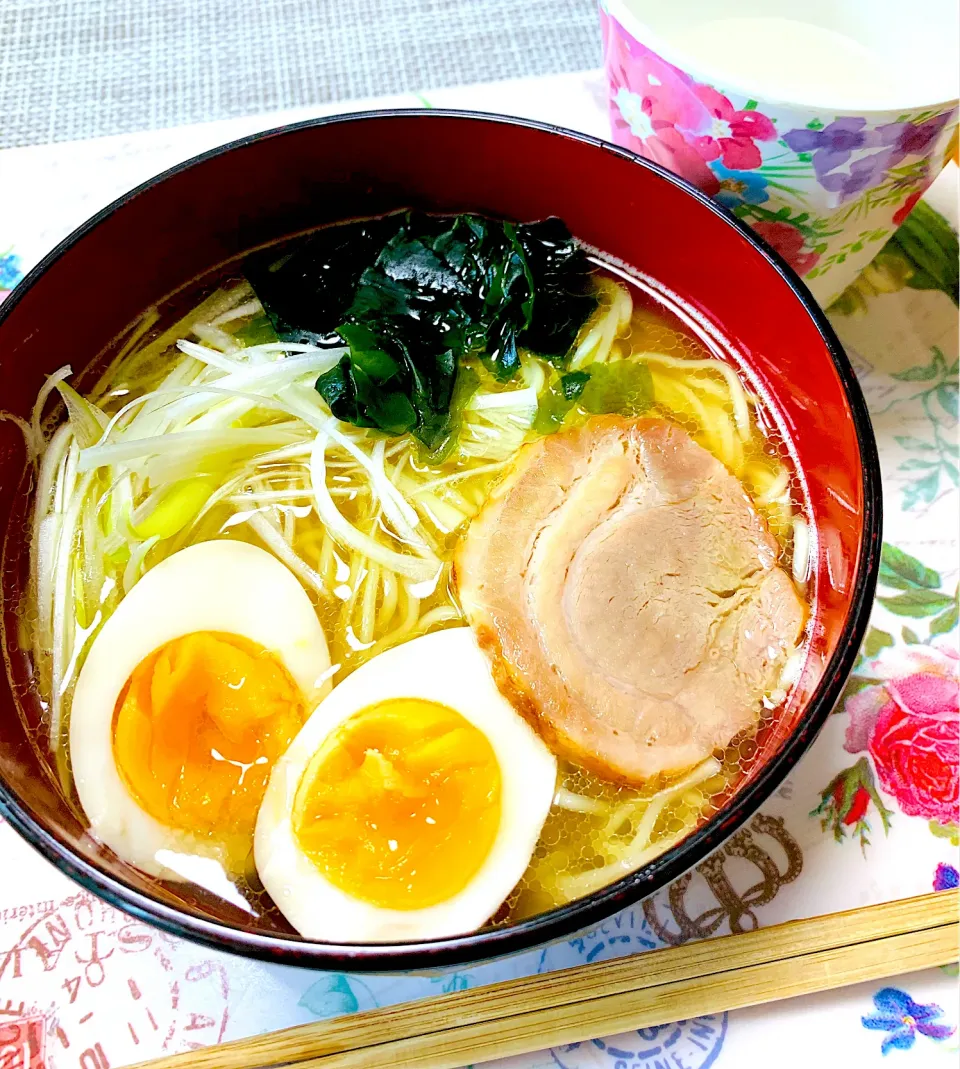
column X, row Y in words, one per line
column 182, row 224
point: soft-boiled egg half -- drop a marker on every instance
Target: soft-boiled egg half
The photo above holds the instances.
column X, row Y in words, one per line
column 195, row 686
column 411, row 802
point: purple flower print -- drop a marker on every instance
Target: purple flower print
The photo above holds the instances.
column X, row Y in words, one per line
column 903, row 1018
column 946, row 878
column 863, row 174
column 833, row 145
column 913, row 139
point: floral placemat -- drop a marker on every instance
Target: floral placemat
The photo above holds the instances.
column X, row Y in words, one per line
column 870, row 813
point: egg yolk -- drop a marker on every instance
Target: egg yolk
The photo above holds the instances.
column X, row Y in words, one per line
column 197, row 729
column 401, row 805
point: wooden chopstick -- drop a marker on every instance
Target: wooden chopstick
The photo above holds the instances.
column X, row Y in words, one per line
column 579, row 1021
column 604, row 998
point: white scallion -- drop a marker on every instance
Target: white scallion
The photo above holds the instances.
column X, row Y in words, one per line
column 801, row 551
column 344, row 531
column 36, row 416
column 197, row 442
column 274, row 541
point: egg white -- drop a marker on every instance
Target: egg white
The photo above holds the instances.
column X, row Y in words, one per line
column 447, row 667
column 224, row 586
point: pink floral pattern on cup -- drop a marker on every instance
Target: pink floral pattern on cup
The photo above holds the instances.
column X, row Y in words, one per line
column 825, row 190
column 678, row 122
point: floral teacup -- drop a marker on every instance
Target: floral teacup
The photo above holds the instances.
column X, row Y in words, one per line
column 824, row 183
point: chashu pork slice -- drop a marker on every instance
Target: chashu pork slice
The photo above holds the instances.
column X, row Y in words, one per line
column 629, row 596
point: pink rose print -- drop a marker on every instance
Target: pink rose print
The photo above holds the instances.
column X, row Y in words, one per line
column 662, row 113
column 914, row 747
column 732, row 133
column 910, row 726
column 789, row 242
column 658, row 140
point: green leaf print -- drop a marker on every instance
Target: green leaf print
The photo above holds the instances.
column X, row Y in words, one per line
column 947, row 396
column 907, row 588
column 875, row 641
column 946, row 621
column 935, row 462
column 917, row 604
column 903, row 572
column 945, row 831
column 920, row 598
column 921, row 373
column 923, row 492
column 909, row 442
column 924, row 372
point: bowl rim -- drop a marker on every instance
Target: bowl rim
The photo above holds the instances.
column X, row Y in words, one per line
column 582, row 913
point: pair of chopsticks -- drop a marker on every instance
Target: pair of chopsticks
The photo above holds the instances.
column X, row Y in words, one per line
column 602, row 999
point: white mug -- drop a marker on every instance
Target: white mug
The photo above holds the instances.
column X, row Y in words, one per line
column 820, row 125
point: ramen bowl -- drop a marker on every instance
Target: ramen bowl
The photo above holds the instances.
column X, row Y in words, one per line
column 741, row 295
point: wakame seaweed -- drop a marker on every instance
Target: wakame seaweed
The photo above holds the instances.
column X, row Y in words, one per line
column 565, row 296
column 306, row 291
column 413, row 296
